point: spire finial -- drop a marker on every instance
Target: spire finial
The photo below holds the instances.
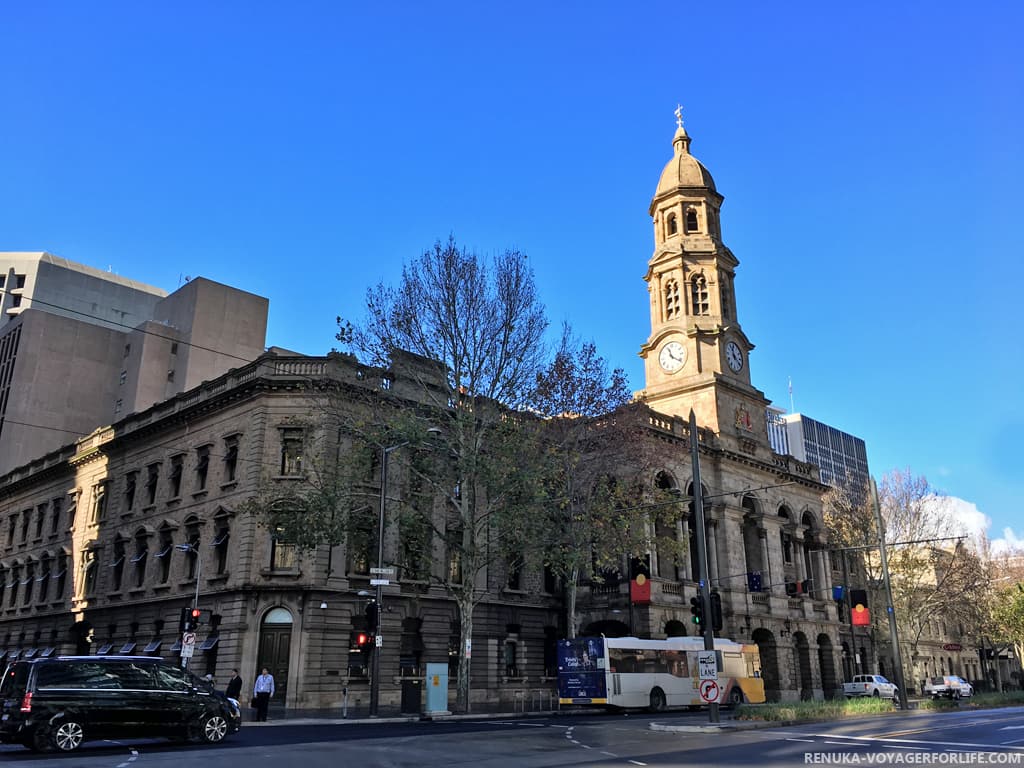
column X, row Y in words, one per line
column 679, row 115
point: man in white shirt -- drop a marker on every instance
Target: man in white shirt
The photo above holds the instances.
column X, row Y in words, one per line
column 262, row 691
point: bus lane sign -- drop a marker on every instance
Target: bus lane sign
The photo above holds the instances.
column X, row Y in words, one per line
column 707, row 667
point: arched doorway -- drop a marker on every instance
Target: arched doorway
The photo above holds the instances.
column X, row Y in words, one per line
column 275, row 648
column 607, row 627
column 675, row 628
column 769, row 663
column 827, row 665
column 803, row 665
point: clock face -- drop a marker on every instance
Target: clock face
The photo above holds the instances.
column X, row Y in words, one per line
column 672, row 356
column 734, row 356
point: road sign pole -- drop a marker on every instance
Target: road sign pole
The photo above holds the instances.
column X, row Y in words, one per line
column 702, row 553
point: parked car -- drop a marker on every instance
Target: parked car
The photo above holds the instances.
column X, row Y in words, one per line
column 57, row 703
column 949, row 687
column 870, row 685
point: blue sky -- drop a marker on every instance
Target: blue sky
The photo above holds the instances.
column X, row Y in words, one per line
column 870, row 155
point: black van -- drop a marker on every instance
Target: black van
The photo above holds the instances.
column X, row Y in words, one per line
column 57, row 703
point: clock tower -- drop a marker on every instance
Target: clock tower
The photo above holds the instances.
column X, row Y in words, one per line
column 697, row 355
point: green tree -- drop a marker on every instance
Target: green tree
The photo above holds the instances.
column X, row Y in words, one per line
column 471, row 333
column 588, row 426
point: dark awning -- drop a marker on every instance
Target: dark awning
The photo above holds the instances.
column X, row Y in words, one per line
column 104, row 649
column 209, row 644
column 153, row 646
column 127, row 648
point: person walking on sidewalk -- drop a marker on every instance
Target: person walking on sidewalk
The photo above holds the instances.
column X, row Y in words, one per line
column 262, row 692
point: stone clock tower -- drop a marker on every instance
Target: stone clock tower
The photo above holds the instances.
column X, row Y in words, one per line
column 697, row 355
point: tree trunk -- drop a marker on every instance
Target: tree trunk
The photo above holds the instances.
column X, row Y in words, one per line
column 570, row 603
column 464, row 599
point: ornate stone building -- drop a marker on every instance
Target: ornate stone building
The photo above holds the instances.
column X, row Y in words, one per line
column 764, row 511
column 104, row 541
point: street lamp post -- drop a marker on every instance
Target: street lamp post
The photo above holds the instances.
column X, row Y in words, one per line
column 385, row 452
column 193, row 549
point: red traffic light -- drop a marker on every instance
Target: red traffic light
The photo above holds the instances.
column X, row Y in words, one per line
column 362, row 638
column 196, row 613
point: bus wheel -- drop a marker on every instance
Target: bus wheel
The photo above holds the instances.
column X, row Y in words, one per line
column 657, row 700
column 735, row 697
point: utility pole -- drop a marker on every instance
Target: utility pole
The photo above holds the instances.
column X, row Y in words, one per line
column 702, row 554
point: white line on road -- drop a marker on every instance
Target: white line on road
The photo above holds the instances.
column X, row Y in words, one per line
column 890, row 742
column 637, row 762
column 609, row 754
column 809, row 741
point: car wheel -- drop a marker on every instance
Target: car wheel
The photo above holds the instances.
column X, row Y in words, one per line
column 67, row 736
column 214, row 728
column 657, row 700
column 735, row 697
column 876, row 694
column 956, row 695
column 896, row 697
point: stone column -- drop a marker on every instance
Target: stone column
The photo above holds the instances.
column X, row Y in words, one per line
column 766, row 566
column 713, row 574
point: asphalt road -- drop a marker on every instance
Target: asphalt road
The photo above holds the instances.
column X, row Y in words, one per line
column 990, row 737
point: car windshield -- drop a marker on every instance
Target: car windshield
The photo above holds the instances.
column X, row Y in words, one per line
column 938, row 681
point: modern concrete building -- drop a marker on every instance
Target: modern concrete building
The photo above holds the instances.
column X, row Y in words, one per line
column 79, row 347
column 841, row 457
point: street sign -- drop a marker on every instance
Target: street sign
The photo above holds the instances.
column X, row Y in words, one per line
column 380, row 641
column 382, row 571
column 469, row 648
column 379, row 582
column 707, row 667
column 709, row 691
column 188, row 645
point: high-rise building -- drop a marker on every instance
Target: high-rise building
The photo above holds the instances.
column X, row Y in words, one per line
column 80, row 348
column 841, row 458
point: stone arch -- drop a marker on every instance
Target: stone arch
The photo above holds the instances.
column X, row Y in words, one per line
column 768, row 649
column 665, row 530
column 606, row 627
column 805, row 677
column 827, row 667
column 675, row 628
column 752, row 549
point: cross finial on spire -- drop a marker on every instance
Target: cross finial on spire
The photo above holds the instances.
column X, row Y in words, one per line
column 679, row 115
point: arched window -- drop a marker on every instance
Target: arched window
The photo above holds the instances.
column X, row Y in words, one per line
column 117, row 566
column 691, row 220
column 45, row 564
column 671, row 299
column 192, row 537
column 61, row 576
column 29, row 582
column 166, row 549
column 140, row 557
column 784, row 537
column 699, row 295
column 673, row 225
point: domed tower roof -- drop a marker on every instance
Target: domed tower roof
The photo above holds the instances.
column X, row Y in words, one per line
column 683, row 170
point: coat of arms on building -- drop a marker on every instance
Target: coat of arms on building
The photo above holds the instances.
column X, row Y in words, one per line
column 743, row 419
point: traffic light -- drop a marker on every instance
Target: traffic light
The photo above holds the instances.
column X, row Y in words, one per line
column 716, row 612
column 183, row 620
column 372, row 615
column 697, row 610
column 362, row 639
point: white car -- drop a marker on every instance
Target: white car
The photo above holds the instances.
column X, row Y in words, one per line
column 949, row 686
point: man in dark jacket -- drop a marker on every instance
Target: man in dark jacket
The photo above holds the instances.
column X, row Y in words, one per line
column 234, row 689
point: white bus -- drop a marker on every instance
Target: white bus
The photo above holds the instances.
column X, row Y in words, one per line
column 630, row 673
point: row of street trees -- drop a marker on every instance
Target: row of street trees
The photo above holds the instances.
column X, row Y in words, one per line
column 514, row 451
column 940, row 577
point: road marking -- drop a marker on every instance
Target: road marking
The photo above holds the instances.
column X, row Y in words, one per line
column 960, row 744
column 845, row 743
column 637, row 762
column 609, row 754
column 809, row 741
column 531, row 725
